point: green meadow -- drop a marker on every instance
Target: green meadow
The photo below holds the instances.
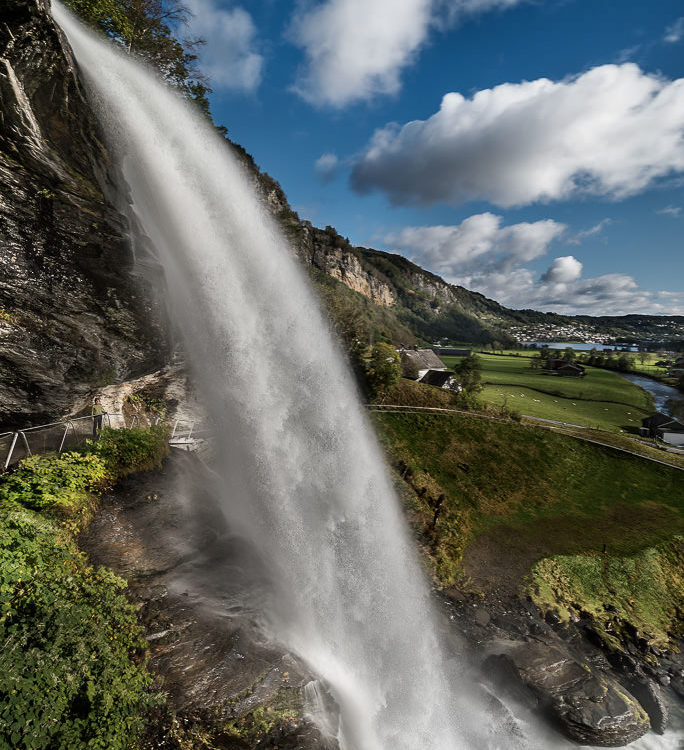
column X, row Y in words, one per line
column 514, row 494
column 602, row 399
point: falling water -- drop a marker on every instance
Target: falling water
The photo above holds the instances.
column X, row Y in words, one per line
column 302, row 475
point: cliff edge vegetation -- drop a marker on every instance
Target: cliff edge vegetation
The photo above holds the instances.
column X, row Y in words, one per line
column 72, row 663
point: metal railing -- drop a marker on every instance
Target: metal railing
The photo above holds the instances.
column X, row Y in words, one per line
column 55, row 437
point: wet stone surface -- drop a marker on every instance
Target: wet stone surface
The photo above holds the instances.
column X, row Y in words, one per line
column 198, row 589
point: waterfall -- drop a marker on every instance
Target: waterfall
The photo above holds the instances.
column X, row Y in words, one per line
column 302, row 476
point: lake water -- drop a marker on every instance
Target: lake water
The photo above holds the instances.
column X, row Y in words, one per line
column 584, row 347
column 667, row 399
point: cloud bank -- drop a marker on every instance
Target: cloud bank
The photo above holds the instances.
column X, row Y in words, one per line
column 229, row 57
column 612, row 131
column 357, row 49
column 484, row 256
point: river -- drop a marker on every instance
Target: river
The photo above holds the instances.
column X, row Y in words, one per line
column 667, row 399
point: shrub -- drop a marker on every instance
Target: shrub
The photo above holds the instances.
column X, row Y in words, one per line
column 70, row 672
column 67, row 677
column 130, row 451
column 62, row 484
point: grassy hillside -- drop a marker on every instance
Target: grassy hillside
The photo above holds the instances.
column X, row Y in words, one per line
column 512, row 494
column 602, row 399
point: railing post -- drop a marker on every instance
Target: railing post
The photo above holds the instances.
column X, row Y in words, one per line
column 66, row 429
column 28, row 447
column 11, row 450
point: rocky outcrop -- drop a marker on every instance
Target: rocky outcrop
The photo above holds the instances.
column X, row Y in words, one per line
column 592, row 708
column 198, row 590
column 72, row 313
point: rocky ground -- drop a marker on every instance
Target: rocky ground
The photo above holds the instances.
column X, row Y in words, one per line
column 199, row 590
column 591, row 693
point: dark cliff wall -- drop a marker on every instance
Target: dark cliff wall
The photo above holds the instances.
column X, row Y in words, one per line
column 72, row 314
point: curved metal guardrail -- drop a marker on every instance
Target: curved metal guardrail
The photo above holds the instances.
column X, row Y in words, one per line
column 54, row 437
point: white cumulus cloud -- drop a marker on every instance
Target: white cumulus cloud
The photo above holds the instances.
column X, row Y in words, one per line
column 611, row 131
column 326, row 167
column 563, row 270
column 476, row 242
column 485, row 256
column 357, row 49
column 229, row 57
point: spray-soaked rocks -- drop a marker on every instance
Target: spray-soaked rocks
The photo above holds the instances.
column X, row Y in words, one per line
column 591, row 707
column 198, row 590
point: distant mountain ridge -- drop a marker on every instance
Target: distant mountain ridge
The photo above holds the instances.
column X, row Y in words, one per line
column 419, row 304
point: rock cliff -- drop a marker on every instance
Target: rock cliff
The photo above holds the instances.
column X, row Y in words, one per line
column 72, row 314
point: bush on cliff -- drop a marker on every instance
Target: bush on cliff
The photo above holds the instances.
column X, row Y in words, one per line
column 68, row 672
column 71, row 672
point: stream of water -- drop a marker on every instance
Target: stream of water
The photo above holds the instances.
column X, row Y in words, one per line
column 301, row 474
column 666, row 398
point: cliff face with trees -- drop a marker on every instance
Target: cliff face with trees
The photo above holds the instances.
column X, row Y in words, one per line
column 74, row 311
column 72, row 314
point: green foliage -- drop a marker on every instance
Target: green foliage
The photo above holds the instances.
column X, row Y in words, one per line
column 149, row 29
column 469, row 374
column 58, row 484
column 70, row 676
column 130, row 451
column 383, row 368
column 67, row 680
column 645, row 589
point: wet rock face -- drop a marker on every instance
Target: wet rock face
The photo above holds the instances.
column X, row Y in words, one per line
column 591, row 707
column 72, row 315
column 198, row 590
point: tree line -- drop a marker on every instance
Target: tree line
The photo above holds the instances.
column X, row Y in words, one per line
column 153, row 31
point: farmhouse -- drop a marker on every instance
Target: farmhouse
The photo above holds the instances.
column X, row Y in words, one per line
column 420, row 361
column 561, row 367
column 438, row 378
column 662, row 426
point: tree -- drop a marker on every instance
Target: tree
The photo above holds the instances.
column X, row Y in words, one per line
column 569, row 354
column 469, row 374
column 536, row 361
column 148, row 29
column 383, row 368
column 624, row 363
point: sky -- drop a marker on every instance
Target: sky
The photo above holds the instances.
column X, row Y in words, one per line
column 530, row 150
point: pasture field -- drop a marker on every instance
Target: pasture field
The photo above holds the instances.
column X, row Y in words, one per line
column 524, row 493
column 601, row 400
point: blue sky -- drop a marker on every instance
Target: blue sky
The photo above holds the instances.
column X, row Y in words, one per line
column 532, row 150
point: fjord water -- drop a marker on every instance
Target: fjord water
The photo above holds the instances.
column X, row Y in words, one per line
column 302, row 477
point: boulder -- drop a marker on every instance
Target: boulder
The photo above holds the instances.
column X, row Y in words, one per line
column 653, row 702
column 590, row 706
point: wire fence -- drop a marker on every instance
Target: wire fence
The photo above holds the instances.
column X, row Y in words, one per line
column 52, row 438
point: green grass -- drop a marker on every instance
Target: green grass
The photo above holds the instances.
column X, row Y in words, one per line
column 601, row 399
column 646, row 589
column 531, row 492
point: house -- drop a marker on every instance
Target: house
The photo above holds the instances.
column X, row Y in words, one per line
column 419, row 361
column 561, row 367
column 662, row 426
column 437, row 378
